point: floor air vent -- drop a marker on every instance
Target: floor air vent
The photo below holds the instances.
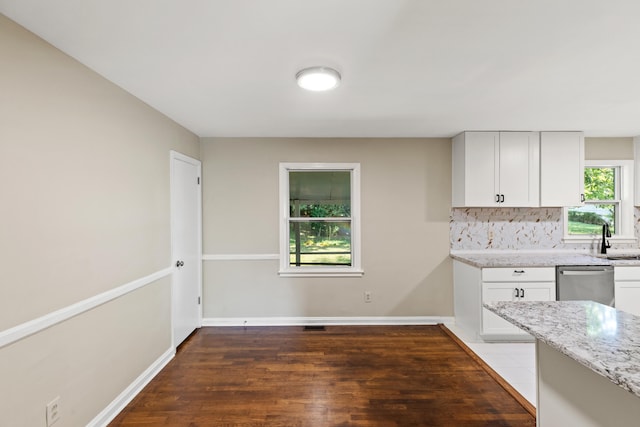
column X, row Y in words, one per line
column 314, row 328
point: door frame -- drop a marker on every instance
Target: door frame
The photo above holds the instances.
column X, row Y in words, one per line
column 174, row 155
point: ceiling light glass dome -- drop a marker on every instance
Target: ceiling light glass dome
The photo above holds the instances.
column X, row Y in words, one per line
column 318, row 78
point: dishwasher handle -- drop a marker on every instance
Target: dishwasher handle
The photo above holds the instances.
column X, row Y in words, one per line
column 585, row 272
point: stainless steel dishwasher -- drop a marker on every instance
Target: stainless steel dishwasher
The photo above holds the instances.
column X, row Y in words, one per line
column 585, row 282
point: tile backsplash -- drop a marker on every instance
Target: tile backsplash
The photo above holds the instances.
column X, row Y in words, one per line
column 517, row 228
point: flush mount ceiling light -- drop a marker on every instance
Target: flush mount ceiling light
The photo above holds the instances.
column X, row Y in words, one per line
column 318, row 78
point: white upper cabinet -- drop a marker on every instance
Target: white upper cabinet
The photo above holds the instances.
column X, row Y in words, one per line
column 636, row 156
column 475, row 169
column 499, row 169
column 519, row 168
column 561, row 169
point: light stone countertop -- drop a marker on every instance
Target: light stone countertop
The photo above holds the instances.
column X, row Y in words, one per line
column 528, row 259
column 597, row 336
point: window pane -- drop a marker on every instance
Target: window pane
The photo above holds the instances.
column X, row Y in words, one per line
column 600, row 183
column 588, row 219
column 319, row 243
column 320, row 211
column 320, row 194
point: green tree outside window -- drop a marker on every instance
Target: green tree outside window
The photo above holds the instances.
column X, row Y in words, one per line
column 601, row 202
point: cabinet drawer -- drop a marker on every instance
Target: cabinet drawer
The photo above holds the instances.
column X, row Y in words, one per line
column 518, row 291
column 519, row 274
column 626, row 273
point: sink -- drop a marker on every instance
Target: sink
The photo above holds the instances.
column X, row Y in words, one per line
column 623, row 257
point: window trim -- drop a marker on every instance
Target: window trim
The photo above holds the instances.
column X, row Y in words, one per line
column 355, row 270
column 626, row 221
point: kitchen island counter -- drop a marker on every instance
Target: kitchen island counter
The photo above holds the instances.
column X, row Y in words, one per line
column 588, row 360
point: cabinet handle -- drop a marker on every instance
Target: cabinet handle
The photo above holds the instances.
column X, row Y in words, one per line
column 521, row 292
column 518, row 271
column 497, row 198
column 582, row 199
column 502, row 198
column 517, row 293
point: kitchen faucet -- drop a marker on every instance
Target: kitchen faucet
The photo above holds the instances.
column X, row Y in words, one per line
column 605, row 243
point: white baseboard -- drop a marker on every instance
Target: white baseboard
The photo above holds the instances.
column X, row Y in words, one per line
column 303, row 321
column 119, row 403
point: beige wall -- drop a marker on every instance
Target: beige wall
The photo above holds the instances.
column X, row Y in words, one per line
column 406, row 199
column 608, row 148
column 84, row 180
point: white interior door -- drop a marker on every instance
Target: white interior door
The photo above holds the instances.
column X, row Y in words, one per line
column 186, row 246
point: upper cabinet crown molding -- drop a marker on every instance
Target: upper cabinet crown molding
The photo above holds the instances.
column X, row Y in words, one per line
column 496, row 169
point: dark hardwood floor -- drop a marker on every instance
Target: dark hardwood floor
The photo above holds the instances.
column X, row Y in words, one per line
column 344, row 376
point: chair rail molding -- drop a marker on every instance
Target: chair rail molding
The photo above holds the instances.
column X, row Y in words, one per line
column 241, row 257
column 34, row 326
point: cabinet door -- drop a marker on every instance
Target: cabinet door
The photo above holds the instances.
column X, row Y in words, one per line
column 492, row 324
column 537, row 292
column 561, row 168
column 519, row 169
column 636, row 156
column 481, row 168
column 628, row 297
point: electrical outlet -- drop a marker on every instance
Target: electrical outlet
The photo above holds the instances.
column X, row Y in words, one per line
column 53, row 411
column 367, row 296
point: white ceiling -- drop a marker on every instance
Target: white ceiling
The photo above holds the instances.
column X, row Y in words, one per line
column 411, row 68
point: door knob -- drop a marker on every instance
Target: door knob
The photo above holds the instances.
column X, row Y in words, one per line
column 179, row 264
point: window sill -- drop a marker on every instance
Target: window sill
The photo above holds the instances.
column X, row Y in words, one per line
column 597, row 238
column 321, row 273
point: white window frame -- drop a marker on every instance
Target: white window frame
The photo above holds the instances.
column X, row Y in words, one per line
column 355, row 269
column 624, row 229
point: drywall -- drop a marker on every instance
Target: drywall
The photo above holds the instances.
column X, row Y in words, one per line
column 84, row 184
column 87, row 360
column 608, row 148
column 406, row 201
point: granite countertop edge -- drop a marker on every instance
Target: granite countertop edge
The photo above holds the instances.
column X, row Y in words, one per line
column 498, row 259
column 595, row 364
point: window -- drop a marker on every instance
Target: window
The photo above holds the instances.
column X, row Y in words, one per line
column 608, row 199
column 320, row 213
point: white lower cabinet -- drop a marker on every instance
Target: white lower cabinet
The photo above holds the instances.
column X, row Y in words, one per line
column 493, row 324
column 627, row 289
column 474, row 286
